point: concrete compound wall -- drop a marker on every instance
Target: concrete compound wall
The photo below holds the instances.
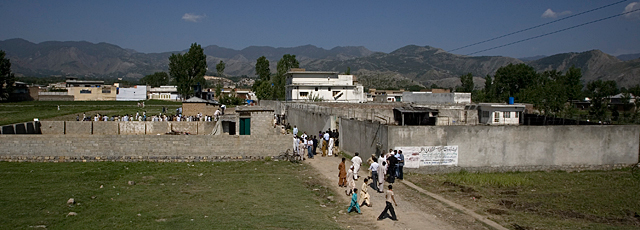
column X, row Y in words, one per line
column 509, row 148
column 124, row 127
column 32, row 127
column 363, row 137
column 309, row 122
column 140, row 147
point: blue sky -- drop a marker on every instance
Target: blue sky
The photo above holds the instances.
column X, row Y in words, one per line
column 159, row 26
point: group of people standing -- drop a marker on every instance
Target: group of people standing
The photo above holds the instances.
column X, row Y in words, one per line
column 388, row 165
column 309, row 144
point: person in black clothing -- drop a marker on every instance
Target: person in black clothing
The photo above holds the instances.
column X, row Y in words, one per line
column 391, row 171
column 315, row 144
column 336, row 135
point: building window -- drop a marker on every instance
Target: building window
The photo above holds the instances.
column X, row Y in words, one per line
column 517, row 114
column 496, row 117
column 316, row 88
column 485, row 114
column 329, row 88
column 85, row 91
column 506, row 114
column 106, row 90
column 304, row 94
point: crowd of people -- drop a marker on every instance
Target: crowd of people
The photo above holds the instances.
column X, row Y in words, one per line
column 307, row 145
column 160, row 117
column 387, row 167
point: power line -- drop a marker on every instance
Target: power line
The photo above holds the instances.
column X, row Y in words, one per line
column 544, row 24
column 557, row 31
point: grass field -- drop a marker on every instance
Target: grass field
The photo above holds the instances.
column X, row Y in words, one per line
column 221, row 195
column 11, row 113
column 545, row 200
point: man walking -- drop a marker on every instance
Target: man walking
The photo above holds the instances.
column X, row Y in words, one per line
column 315, row 144
column 364, row 195
column 325, row 143
column 354, row 202
column 389, row 196
column 342, row 174
column 295, row 130
column 374, row 175
column 356, row 162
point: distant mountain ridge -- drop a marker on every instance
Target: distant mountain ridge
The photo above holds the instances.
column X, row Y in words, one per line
column 409, row 65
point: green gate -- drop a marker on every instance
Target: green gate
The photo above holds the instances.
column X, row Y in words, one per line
column 245, row 126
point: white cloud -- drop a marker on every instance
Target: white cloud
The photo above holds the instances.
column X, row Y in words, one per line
column 551, row 14
column 632, row 6
column 193, row 17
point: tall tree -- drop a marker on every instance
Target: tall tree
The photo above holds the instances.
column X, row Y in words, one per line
column 284, row 65
column 509, row 80
column 156, row 79
column 467, row 83
column 188, row 70
column 220, row 71
column 599, row 91
column 6, row 77
column 220, row 68
column 262, row 85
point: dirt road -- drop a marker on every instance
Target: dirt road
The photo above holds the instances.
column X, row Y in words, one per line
column 414, row 210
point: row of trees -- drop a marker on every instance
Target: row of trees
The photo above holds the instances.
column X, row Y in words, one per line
column 269, row 86
column 553, row 92
column 6, row 77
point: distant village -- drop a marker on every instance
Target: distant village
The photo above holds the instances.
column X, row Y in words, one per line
column 426, row 107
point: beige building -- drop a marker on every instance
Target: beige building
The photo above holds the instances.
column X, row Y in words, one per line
column 93, row 93
column 195, row 105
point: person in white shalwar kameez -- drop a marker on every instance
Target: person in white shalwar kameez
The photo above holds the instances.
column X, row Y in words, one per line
column 330, row 148
column 382, row 170
column 351, row 184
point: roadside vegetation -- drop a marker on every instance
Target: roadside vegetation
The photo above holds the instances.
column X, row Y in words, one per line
column 193, row 195
column 544, row 200
column 16, row 112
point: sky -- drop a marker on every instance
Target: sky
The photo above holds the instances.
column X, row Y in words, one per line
column 162, row 26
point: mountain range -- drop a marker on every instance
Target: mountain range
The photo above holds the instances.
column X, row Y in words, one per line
column 406, row 66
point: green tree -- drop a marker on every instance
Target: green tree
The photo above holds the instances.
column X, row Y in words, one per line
column 262, row 85
column 188, row 70
column 599, row 91
column 6, row 77
column 220, row 71
column 156, row 79
column 220, row 68
column 284, row 65
column 511, row 79
column 348, row 72
column 467, row 83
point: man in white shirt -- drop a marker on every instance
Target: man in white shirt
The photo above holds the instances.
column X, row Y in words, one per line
column 374, row 175
column 356, row 162
column 295, row 130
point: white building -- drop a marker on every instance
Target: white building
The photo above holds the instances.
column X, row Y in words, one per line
column 165, row 92
column 137, row 93
column 436, row 98
column 323, row 85
column 500, row 114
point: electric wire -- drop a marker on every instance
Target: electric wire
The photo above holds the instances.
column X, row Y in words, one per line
column 554, row 32
column 544, row 24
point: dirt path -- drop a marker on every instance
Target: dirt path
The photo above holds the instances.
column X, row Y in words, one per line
column 414, row 210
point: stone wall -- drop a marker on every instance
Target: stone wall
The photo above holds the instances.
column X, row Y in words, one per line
column 140, row 147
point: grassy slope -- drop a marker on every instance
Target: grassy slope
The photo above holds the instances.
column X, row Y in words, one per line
column 229, row 195
column 545, row 200
column 11, row 113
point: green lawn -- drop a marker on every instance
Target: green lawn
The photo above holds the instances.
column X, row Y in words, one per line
column 205, row 195
column 11, row 113
column 545, row 200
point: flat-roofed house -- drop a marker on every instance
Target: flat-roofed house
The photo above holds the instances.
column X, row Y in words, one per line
column 325, row 86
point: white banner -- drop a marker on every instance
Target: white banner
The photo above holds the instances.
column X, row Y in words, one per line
column 415, row 157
